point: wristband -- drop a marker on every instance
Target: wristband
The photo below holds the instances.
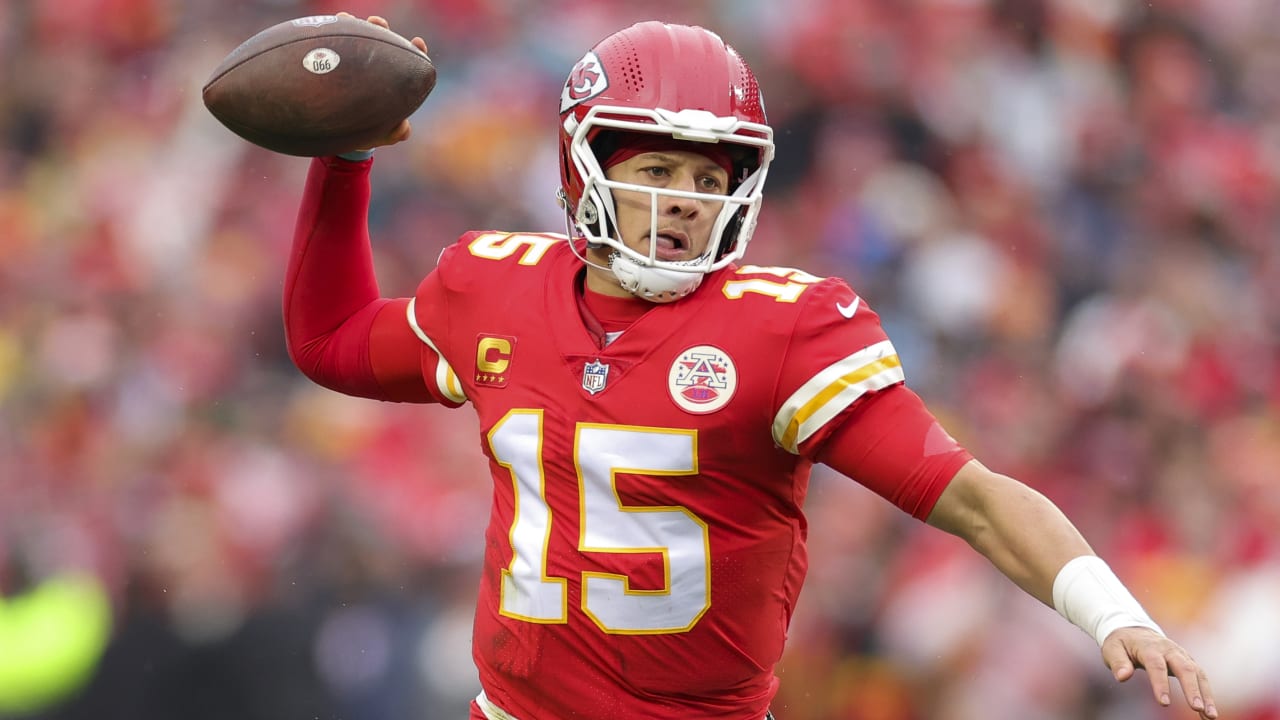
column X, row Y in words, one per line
column 1088, row 594
column 356, row 155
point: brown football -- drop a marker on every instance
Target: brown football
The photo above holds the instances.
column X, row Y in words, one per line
column 319, row 85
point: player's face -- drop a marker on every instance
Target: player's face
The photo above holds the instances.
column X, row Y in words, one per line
column 683, row 229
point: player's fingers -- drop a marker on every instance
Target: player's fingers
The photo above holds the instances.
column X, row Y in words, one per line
column 1210, row 707
column 399, row 134
column 1158, row 671
column 1195, row 684
column 1116, row 657
column 419, row 43
column 379, row 21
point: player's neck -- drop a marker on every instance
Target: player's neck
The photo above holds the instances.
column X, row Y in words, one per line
column 606, row 316
column 614, row 312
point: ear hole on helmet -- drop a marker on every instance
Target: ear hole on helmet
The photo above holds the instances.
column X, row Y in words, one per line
column 590, row 213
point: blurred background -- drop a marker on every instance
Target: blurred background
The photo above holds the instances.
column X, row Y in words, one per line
column 1066, row 211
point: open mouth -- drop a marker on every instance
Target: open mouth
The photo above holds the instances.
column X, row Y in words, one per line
column 671, row 246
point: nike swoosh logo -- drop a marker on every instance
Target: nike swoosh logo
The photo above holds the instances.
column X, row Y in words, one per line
column 849, row 310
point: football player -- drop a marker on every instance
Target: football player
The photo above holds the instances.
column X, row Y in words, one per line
column 650, row 407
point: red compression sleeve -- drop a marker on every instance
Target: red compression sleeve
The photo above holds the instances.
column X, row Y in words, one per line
column 892, row 444
column 340, row 332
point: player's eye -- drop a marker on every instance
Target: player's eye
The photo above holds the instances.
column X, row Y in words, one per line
column 711, row 183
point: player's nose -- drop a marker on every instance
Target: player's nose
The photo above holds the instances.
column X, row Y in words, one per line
column 683, row 181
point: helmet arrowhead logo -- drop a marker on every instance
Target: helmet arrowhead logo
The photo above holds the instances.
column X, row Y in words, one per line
column 587, row 80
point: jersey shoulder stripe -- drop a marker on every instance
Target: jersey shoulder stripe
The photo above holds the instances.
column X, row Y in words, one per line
column 833, row 389
column 445, row 379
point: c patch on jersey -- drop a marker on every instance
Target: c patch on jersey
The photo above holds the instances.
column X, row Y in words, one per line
column 493, row 359
column 702, row 379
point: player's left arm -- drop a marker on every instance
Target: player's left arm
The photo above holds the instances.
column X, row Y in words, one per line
column 1032, row 542
column 853, row 412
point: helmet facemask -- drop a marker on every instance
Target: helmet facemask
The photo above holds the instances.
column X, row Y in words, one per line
column 595, row 215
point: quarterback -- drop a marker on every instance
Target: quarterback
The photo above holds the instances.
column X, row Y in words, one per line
column 650, row 406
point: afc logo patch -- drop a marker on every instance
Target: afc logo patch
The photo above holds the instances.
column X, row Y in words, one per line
column 702, row 379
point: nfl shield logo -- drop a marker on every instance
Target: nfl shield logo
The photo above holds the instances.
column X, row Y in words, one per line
column 594, row 376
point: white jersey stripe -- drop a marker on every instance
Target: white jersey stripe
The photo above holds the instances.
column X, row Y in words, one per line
column 446, row 379
column 832, row 390
column 491, row 711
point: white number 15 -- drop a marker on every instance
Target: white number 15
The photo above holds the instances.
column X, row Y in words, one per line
column 607, row 526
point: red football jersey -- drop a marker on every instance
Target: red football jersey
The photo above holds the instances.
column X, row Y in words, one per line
column 646, row 530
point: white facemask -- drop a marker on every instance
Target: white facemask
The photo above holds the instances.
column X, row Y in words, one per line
column 643, row 274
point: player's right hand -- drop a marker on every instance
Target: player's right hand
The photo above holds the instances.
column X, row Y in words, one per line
column 402, row 131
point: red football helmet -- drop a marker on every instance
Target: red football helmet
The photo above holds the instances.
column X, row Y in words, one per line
column 674, row 81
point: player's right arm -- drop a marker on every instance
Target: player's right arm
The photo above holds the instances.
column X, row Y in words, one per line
column 340, row 332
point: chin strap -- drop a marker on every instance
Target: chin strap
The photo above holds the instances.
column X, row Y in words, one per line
column 657, row 285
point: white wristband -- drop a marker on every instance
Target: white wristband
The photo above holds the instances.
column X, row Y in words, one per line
column 1087, row 593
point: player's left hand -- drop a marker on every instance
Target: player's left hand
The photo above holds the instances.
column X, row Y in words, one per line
column 1129, row 648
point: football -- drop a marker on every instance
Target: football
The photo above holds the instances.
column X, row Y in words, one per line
column 319, row 85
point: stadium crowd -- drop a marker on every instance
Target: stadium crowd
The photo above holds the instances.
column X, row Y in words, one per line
column 1067, row 214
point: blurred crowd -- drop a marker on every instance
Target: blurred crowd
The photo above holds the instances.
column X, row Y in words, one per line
column 1066, row 212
